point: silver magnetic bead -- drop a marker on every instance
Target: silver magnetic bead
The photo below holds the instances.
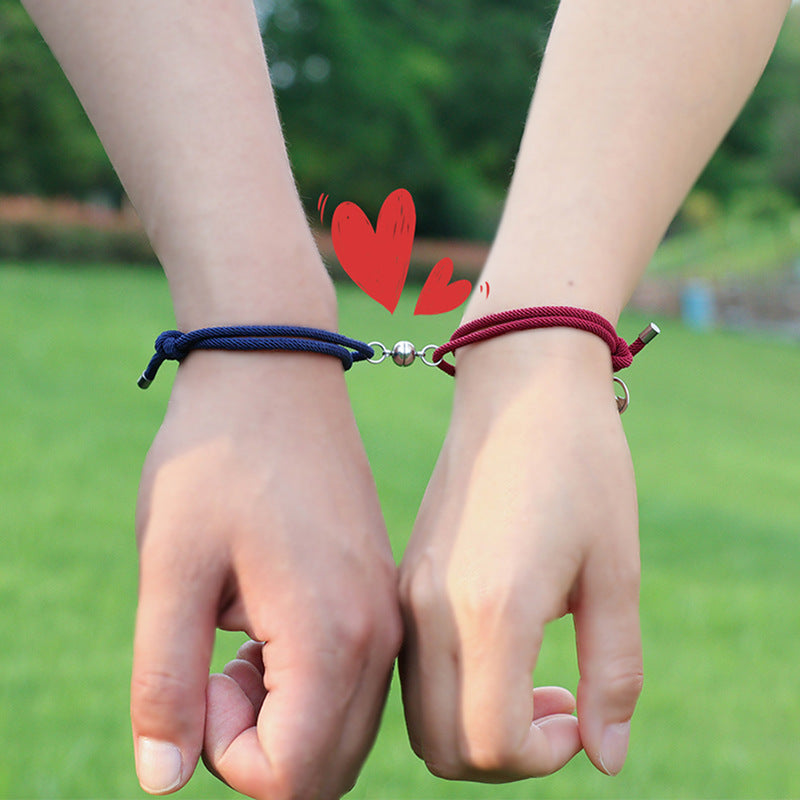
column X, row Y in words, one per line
column 403, row 354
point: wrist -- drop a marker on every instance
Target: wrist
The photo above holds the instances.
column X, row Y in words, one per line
column 255, row 388
column 543, row 318
column 512, row 289
column 247, row 297
column 281, row 282
column 522, row 274
column 537, row 351
column 535, row 367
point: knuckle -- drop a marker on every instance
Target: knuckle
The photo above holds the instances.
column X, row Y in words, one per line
column 484, row 608
column 479, row 602
column 447, row 770
column 159, row 696
column 287, row 781
column 627, row 583
column 472, row 758
column 367, row 630
column 418, row 591
column 621, row 576
column 622, row 686
column 440, row 760
column 483, row 758
column 486, row 754
column 285, row 788
column 298, row 782
column 392, row 634
column 356, row 630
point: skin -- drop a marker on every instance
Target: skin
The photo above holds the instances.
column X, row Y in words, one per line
column 531, row 510
column 257, row 510
column 528, row 516
column 290, row 549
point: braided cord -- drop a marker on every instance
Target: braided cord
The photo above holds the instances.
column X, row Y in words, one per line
column 176, row 345
column 543, row 317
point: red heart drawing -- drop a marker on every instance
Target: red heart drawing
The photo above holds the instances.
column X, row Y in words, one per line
column 438, row 295
column 377, row 260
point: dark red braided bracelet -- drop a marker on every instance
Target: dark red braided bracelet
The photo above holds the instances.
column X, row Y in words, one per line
column 522, row 319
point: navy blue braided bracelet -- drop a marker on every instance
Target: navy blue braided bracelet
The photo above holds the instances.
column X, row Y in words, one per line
column 176, row 345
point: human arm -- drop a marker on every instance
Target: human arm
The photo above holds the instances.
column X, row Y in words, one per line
column 531, row 511
column 257, row 510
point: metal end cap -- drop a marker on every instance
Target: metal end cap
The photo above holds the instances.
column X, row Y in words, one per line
column 649, row 333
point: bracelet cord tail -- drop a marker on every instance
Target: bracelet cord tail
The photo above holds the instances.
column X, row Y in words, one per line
column 174, row 345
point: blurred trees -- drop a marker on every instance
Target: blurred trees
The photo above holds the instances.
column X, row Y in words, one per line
column 756, row 171
column 428, row 95
column 47, row 145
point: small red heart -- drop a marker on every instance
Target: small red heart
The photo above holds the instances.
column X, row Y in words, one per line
column 376, row 259
column 438, row 295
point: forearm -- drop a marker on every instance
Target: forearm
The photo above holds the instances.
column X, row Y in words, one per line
column 180, row 96
column 632, row 100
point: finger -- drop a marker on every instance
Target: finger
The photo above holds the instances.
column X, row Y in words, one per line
column 252, row 651
column 410, row 692
column 549, row 700
column 291, row 749
column 231, row 749
column 609, row 659
column 361, row 723
column 501, row 740
column 250, row 680
column 175, row 628
column 428, row 670
column 300, row 725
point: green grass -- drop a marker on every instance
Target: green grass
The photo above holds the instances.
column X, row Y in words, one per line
column 715, row 431
column 732, row 247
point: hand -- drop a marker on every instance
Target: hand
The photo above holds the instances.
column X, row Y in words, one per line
column 530, row 515
column 257, row 512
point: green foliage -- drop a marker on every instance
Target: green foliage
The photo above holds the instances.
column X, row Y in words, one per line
column 432, row 97
column 428, row 96
column 761, row 148
column 47, row 145
column 718, row 479
column 757, row 239
column 375, row 95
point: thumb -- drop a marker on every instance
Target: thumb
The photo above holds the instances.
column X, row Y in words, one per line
column 609, row 659
column 175, row 627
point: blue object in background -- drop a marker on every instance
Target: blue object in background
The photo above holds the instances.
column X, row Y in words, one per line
column 698, row 308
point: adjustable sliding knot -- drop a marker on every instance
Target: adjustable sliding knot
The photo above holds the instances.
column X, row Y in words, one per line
column 168, row 346
column 176, row 345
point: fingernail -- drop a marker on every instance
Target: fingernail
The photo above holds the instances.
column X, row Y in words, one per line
column 614, row 747
column 158, row 765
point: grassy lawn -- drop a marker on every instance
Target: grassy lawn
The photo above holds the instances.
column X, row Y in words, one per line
column 715, row 431
column 731, row 248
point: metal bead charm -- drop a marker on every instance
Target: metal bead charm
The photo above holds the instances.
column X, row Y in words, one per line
column 403, row 354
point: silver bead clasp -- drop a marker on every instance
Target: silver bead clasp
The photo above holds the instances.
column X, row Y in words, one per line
column 404, row 354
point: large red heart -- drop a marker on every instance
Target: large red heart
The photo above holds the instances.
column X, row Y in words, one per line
column 438, row 295
column 377, row 260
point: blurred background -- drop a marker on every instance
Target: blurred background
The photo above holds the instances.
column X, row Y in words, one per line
column 431, row 97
